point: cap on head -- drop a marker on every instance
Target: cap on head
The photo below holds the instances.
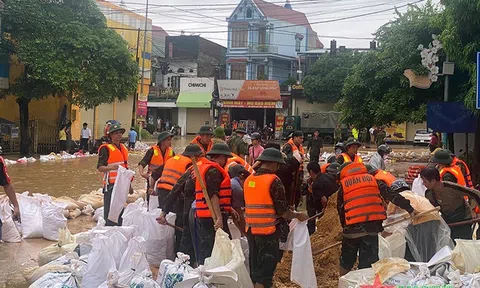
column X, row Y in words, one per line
column 219, row 132
column 220, row 149
column 297, row 134
column 205, row 130
column 385, row 149
column 352, row 141
column 115, row 127
column 333, row 168
column 241, row 130
column 192, row 150
column 271, row 155
column 399, row 185
column 339, row 145
column 256, row 136
column 163, row 136
column 237, row 170
column 442, row 157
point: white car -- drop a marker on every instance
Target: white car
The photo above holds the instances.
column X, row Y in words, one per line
column 422, row 136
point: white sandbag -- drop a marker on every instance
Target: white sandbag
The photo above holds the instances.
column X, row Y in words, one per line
column 88, row 210
column 49, row 268
column 53, row 219
column 57, row 280
column 117, row 243
column 84, row 237
column 144, row 280
column 246, row 252
column 53, row 252
column 71, row 205
column 94, row 199
column 10, row 233
column 171, row 272
column 357, row 278
column 153, row 203
column 112, row 280
column 100, row 262
column 302, row 272
column 31, row 215
column 128, row 231
column 98, row 213
column 213, row 278
column 120, row 192
column 392, row 246
column 136, row 245
column 418, row 187
column 470, row 251
column 228, row 253
column 74, row 214
column 138, row 261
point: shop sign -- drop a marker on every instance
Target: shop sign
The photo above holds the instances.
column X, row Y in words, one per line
column 142, row 110
column 225, row 118
column 14, row 132
column 297, row 90
column 249, row 90
column 252, row 104
column 197, row 85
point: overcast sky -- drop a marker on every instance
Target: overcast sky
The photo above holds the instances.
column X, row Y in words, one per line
column 209, row 20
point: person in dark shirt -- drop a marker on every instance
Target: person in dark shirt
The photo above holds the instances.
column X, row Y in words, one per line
column 315, row 145
column 295, row 157
column 444, row 162
column 7, row 185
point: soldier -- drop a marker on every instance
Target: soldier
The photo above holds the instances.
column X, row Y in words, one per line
column 295, row 156
column 237, row 145
column 351, row 148
column 204, row 138
column 448, row 171
column 265, row 203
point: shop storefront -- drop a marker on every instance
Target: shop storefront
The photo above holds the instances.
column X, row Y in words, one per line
column 252, row 103
column 194, row 104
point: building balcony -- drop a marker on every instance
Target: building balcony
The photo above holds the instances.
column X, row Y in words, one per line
column 262, row 48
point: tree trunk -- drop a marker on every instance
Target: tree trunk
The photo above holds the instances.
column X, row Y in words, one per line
column 476, row 155
column 24, row 117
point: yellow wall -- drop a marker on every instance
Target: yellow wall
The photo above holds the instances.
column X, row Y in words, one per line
column 47, row 109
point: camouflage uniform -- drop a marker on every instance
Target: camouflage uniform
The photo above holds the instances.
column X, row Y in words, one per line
column 295, row 187
column 337, row 135
column 380, row 137
column 238, row 146
column 264, row 249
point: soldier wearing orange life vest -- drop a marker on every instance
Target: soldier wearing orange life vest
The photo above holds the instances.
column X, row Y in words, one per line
column 381, row 175
column 351, row 147
column 265, row 206
column 464, row 167
column 361, row 209
column 110, row 157
column 238, row 160
column 295, row 156
column 204, row 139
column 448, row 172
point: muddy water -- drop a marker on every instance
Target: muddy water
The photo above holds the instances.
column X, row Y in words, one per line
column 73, row 177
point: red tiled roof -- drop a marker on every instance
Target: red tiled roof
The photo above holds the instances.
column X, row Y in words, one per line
column 158, row 31
column 319, row 44
column 283, row 14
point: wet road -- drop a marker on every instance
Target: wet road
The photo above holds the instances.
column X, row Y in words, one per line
column 74, row 177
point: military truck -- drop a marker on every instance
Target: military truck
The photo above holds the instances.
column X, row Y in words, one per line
column 308, row 122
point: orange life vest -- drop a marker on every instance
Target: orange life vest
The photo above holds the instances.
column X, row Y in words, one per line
column 362, row 201
column 238, row 160
column 158, row 159
column 115, row 156
column 295, row 148
column 196, row 140
column 172, row 171
column 386, row 177
column 346, row 158
column 260, row 214
column 224, row 197
column 467, row 176
column 324, row 168
column 457, row 172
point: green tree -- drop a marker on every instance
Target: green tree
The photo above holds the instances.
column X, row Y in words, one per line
column 325, row 80
column 461, row 42
column 376, row 92
column 66, row 49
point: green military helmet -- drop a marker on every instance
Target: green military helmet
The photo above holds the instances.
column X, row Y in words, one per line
column 115, row 127
column 219, row 132
column 241, row 130
column 442, row 157
column 352, row 141
column 192, row 150
column 164, row 135
column 333, row 168
column 207, row 130
column 220, row 149
column 271, row 155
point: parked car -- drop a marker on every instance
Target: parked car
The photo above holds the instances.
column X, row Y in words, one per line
column 422, row 137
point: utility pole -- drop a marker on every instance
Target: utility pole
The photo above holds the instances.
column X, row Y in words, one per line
column 445, row 99
column 143, row 64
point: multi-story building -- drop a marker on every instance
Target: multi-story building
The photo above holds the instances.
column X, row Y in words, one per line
column 4, row 67
column 190, row 65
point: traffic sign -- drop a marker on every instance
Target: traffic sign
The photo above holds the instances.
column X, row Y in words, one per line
column 478, row 81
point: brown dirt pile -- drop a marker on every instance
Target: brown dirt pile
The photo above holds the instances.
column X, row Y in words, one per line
column 329, row 231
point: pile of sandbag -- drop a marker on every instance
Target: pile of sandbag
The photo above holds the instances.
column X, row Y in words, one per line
column 141, row 146
column 64, row 156
column 23, row 160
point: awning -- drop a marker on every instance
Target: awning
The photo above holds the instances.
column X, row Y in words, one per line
column 194, row 99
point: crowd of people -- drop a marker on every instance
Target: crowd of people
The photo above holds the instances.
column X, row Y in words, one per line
column 261, row 187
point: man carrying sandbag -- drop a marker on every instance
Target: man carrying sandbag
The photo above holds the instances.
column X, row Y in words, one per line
column 451, row 199
column 155, row 158
column 110, row 157
column 361, row 210
column 265, row 203
column 7, row 185
column 174, row 168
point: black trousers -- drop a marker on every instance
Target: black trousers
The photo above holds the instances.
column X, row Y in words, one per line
column 315, row 158
column 189, row 239
column 107, row 198
column 264, row 254
column 206, row 235
column 84, row 144
column 313, row 207
column 366, row 247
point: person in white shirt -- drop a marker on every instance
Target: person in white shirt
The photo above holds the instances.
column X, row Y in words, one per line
column 85, row 136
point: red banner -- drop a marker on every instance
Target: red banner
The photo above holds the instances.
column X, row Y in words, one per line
column 279, row 120
column 250, row 104
column 141, row 110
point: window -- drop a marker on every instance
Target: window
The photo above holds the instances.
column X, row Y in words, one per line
column 261, row 72
column 169, row 82
column 191, row 71
column 298, row 43
column 175, row 82
column 180, row 70
column 248, row 13
column 238, row 71
column 239, row 37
